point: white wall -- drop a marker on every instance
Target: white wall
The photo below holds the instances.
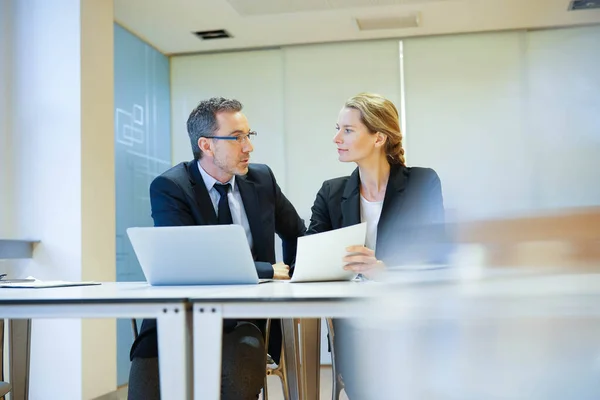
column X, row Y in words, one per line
column 564, row 105
column 254, row 77
column 511, row 121
column 464, row 112
column 6, row 225
column 63, row 179
column 318, row 80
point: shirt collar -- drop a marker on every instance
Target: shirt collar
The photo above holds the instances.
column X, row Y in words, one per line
column 209, row 181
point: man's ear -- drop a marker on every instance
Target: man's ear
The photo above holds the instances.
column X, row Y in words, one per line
column 205, row 146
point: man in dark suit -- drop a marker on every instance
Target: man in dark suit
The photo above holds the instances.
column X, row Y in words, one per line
column 220, row 186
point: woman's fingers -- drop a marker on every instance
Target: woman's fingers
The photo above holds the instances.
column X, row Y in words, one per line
column 360, row 259
column 360, row 249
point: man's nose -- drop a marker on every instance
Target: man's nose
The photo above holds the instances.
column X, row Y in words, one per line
column 248, row 147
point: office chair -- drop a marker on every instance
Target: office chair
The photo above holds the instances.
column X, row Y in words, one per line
column 5, row 387
column 277, row 370
column 336, row 378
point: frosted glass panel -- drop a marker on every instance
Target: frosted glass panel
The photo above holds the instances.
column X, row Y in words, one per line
column 142, row 151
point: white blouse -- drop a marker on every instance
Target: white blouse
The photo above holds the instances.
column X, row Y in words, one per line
column 370, row 211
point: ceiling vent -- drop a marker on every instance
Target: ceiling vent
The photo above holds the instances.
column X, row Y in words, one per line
column 212, row 35
column 584, row 5
column 403, row 22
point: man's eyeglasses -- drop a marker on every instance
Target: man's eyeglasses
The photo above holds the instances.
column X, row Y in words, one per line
column 240, row 138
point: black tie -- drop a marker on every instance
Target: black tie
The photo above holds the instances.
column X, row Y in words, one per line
column 224, row 213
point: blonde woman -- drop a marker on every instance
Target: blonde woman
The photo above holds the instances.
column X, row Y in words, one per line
column 402, row 206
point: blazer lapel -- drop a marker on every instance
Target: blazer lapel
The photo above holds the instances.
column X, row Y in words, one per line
column 394, row 198
column 201, row 194
column 351, row 201
column 252, row 207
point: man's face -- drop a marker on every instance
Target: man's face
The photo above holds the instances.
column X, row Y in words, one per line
column 231, row 156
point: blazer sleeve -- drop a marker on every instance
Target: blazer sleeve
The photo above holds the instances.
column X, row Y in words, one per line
column 435, row 223
column 288, row 224
column 169, row 207
column 320, row 220
column 436, row 201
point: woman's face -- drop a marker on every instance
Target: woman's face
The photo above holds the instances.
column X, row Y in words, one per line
column 353, row 140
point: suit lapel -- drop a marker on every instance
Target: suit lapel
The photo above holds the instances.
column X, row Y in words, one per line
column 201, row 195
column 394, row 198
column 351, row 201
column 252, row 207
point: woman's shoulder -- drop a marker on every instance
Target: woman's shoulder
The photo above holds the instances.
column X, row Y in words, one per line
column 335, row 187
column 424, row 174
column 335, row 182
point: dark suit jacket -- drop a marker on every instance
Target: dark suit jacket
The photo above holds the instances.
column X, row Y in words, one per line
column 179, row 197
column 411, row 225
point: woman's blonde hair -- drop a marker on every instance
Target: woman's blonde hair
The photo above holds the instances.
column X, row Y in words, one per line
column 380, row 115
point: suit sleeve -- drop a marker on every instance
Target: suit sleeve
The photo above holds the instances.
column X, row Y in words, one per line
column 169, row 207
column 264, row 269
column 320, row 220
column 288, row 224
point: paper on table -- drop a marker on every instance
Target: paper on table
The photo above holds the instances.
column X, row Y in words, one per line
column 37, row 284
column 319, row 256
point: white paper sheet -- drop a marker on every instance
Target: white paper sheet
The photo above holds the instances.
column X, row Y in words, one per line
column 319, row 256
column 37, row 284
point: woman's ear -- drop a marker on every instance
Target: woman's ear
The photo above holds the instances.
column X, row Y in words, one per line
column 380, row 139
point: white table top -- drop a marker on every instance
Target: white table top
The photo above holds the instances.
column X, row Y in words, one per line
column 105, row 293
column 114, row 292
column 280, row 291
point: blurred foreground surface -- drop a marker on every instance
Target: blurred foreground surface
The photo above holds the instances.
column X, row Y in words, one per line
column 515, row 315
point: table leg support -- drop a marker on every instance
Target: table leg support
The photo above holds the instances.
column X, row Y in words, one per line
column 175, row 355
column 310, row 342
column 292, row 359
column 208, row 339
column 20, row 345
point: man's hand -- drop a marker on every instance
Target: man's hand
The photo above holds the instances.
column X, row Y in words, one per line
column 281, row 271
column 362, row 261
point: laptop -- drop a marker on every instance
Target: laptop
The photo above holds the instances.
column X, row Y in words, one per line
column 194, row 255
column 319, row 256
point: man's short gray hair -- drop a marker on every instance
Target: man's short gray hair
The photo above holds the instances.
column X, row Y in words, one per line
column 203, row 119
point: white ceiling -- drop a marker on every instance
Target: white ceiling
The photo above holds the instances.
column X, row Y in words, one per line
column 168, row 24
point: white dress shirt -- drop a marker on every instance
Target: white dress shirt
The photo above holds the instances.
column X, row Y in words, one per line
column 238, row 213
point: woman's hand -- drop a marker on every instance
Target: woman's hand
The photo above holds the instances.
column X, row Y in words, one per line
column 362, row 261
column 281, row 271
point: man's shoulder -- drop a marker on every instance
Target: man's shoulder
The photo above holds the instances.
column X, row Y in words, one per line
column 257, row 168
column 178, row 174
column 259, row 172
